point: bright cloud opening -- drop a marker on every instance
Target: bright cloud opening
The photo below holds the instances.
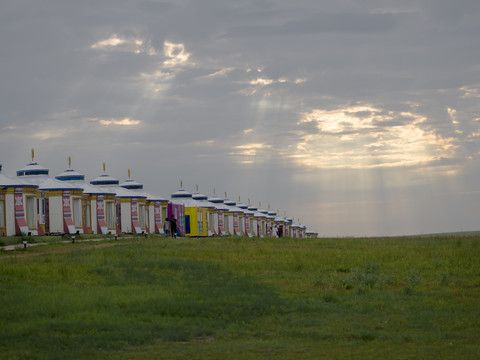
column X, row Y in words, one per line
column 175, row 54
column 250, row 149
column 261, row 81
column 117, row 122
column 126, row 44
column 368, row 137
column 113, row 41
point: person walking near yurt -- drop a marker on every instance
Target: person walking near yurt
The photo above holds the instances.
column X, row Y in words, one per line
column 173, row 227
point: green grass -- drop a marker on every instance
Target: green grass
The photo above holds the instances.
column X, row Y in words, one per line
column 237, row 298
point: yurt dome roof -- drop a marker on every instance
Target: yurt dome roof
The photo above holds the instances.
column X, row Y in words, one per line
column 263, row 211
column 131, row 185
column 198, row 196
column 231, row 205
column 70, row 175
column 259, row 214
column 242, row 206
column 203, row 201
column 218, row 203
column 181, row 194
column 32, row 169
column 215, row 199
column 105, row 179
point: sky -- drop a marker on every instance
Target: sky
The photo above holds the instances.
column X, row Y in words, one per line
column 357, row 118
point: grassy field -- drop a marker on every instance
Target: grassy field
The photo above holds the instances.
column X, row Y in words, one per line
column 237, row 298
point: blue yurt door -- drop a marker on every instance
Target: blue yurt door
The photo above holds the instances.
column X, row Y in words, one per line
column 187, row 224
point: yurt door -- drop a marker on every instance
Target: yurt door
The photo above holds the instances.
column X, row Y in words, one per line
column 87, row 216
column 187, row 224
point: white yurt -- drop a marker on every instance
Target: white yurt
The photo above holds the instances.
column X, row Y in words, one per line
column 17, row 206
column 221, row 212
column 210, row 211
column 155, row 206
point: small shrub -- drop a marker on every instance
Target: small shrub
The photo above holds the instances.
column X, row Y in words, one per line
column 330, row 298
column 445, row 279
column 408, row 291
column 413, row 282
column 367, row 336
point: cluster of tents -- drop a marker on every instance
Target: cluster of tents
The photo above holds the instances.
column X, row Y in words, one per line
column 33, row 203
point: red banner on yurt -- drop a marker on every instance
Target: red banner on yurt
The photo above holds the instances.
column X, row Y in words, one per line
column 20, row 223
column 157, row 217
column 259, row 228
column 235, row 223
column 101, row 215
column 68, row 226
column 221, row 229
column 134, row 213
column 247, row 225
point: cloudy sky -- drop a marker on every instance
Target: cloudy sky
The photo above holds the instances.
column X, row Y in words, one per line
column 356, row 117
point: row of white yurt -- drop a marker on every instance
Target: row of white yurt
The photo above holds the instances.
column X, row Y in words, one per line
column 68, row 204
column 103, row 206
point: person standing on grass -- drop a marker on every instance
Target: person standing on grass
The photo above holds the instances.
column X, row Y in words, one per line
column 173, row 227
